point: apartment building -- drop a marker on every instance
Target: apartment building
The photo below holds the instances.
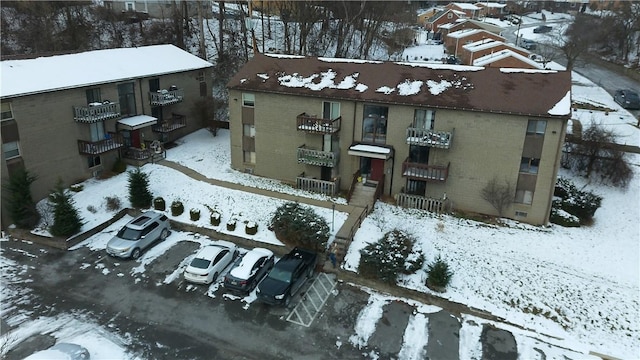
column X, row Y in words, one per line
column 70, row 117
column 422, row 133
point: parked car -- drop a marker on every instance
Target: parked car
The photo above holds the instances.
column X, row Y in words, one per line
column 452, row 59
column 542, row 29
column 537, row 58
column 62, row 351
column 247, row 272
column 287, row 277
column 210, row 261
column 628, row 99
column 528, row 44
column 139, row 234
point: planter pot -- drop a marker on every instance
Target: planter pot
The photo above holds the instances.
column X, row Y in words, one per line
column 159, row 204
column 215, row 219
column 194, row 214
column 231, row 226
column 177, row 208
column 251, row 228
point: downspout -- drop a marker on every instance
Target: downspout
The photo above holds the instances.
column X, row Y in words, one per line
column 141, row 95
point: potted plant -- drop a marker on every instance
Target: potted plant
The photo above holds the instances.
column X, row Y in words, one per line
column 159, row 204
column 194, row 214
column 177, row 208
column 251, row 228
column 231, row 224
column 215, row 217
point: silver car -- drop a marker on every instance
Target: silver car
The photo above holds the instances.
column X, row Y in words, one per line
column 61, row 351
column 139, row 234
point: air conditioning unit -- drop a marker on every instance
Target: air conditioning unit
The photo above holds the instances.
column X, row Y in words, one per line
column 96, row 173
column 248, row 171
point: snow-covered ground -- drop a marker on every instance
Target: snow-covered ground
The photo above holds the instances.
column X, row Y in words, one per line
column 576, row 287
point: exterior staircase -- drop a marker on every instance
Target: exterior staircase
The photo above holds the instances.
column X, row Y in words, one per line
column 363, row 194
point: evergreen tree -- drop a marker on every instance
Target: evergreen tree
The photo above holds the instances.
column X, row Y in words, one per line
column 20, row 202
column 66, row 220
column 139, row 194
column 297, row 225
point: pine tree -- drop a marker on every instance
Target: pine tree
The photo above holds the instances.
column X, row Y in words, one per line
column 139, row 194
column 21, row 207
column 66, row 220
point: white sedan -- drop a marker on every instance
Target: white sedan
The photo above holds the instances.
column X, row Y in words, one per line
column 210, row 261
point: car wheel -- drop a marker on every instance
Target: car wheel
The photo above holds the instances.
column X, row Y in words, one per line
column 215, row 276
column 310, row 272
column 164, row 234
column 287, row 300
column 135, row 253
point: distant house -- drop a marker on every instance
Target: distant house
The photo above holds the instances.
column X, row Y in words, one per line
column 454, row 41
column 471, row 11
column 472, row 51
column 159, row 9
column 71, row 117
column 442, row 17
column 428, row 136
column 424, row 16
column 462, row 24
column 506, row 58
column 491, row 9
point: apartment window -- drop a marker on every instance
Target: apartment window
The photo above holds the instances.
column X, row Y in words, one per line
column 127, row 98
column 93, row 96
column 416, row 187
column 7, row 112
column 130, row 6
column 94, row 161
column 419, row 154
column 249, row 130
column 11, row 150
column 330, row 110
column 248, row 100
column 424, row 119
column 521, row 214
column 249, row 157
column 524, row 197
column 374, row 124
column 529, row 165
column 536, row 127
column 154, row 84
column 97, row 131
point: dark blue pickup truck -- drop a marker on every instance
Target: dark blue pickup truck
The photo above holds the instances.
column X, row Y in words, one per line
column 287, row 277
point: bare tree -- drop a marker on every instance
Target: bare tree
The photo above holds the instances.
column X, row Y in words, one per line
column 499, row 195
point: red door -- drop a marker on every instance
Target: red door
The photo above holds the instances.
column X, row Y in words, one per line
column 135, row 138
column 377, row 169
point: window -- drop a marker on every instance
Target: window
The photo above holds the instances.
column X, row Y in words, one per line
column 524, row 197
column 94, row 161
column 11, row 150
column 536, row 127
column 93, row 96
column 7, row 111
column 249, row 130
column 248, row 100
column 150, row 228
column 424, row 119
column 416, row 187
column 374, row 125
column 97, row 131
column 330, row 110
column 126, row 95
column 521, row 214
column 154, row 84
column 529, row 165
column 419, row 154
column 249, row 157
column 130, row 6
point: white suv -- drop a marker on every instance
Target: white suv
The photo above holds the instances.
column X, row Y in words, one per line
column 139, row 234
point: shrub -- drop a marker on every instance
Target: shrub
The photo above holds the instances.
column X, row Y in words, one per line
column 561, row 217
column 177, row 208
column 582, row 204
column 386, row 258
column 92, row 209
column 194, row 214
column 251, row 228
column 113, row 203
column 296, row 225
column 21, row 206
column 76, row 187
column 159, row 204
column 139, row 194
column 66, row 220
column 438, row 274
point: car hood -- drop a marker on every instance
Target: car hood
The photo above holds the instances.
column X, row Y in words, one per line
column 272, row 287
column 118, row 243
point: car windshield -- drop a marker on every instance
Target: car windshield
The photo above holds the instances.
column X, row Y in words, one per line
column 200, row 263
column 129, row 234
column 280, row 275
column 632, row 96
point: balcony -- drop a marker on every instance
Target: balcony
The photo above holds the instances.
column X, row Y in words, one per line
column 419, row 171
column 176, row 122
column 166, row 97
column 423, row 203
column 424, row 137
column 112, row 142
column 317, row 157
column 326, row 187
column 314, row 125
column 95, row 112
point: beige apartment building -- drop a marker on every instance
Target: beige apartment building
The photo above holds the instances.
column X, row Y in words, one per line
column 70, row 117
column 423, row 134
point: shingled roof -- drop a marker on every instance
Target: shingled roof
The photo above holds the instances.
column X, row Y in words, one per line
column 544, row 93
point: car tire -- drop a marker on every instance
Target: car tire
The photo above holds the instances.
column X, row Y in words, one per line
column 135, row 254
column 310, row 272
column 164, row 234
column 287, row 300
column 215, row 276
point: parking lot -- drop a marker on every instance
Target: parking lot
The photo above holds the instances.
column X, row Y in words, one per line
column 161, row 316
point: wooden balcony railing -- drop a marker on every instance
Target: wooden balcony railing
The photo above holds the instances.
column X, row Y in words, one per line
column 329, row 188
column 176, row 122
column 317, row 157
column 313, row 124
column 111, row 142
column 96, row 112
column 166, row 97
column 423, row 203
column 424, row 137
column 152, row 151
column 419, row 171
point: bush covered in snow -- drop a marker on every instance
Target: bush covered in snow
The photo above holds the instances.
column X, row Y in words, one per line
column 392, row 255
column 581, row 204
column 296, row 225
column 438, row 274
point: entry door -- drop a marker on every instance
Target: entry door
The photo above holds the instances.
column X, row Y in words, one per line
column 135, row 138
column 377, row 169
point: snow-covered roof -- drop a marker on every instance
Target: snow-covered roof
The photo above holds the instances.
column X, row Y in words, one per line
column 465, row 6
column 503, row 54
column 491, row 4
column 137, row 122
column 468, row 32
column 52, row 73
column 472, row 88
column 482, row 44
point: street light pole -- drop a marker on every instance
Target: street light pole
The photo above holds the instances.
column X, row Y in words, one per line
column 333, row 214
